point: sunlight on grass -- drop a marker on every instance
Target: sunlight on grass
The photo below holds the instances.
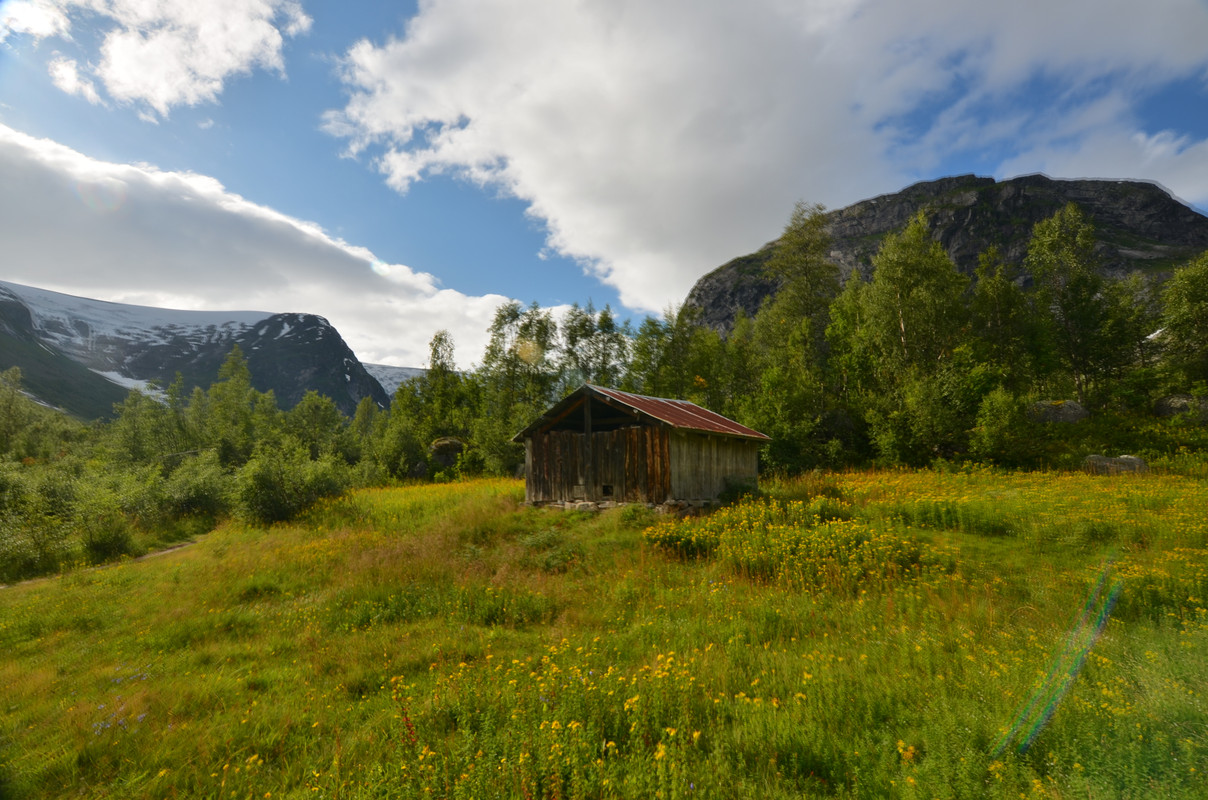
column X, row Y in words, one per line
column 853, row 635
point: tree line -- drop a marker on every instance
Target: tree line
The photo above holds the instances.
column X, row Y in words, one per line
column 917, row 364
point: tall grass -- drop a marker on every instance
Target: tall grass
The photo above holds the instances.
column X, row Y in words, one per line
column 854, row 635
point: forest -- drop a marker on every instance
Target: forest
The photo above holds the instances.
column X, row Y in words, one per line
column 917, row 365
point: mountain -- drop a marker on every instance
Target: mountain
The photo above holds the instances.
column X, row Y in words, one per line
column 46, row 373
column 1138, row 226
column 83, row 355
column 392, row 377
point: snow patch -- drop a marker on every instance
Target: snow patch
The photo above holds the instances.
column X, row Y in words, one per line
column 130, row 383
column 81, row 324
column 391, row 377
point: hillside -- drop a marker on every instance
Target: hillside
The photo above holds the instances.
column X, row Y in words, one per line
column 82, row 354
column 1138, row 226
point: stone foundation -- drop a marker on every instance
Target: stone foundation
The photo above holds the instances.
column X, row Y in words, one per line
column 678, row 507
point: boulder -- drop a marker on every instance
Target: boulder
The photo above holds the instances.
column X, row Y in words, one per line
column 1175, row 404
column 1106, row 465
column 446, row 450
column 1057, row 411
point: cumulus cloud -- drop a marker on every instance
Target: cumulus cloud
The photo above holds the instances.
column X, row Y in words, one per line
column 37, row 18
column 65, row 74
column 164, row 54
column 180, row 240
column 656, row 140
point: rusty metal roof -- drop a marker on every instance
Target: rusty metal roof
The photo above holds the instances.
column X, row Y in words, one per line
column 679, row 414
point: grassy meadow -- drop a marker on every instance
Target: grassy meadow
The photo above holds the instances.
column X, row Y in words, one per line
column 865, row 634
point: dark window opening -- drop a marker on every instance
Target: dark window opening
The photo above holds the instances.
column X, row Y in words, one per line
column 607, row 489
column 603, row 418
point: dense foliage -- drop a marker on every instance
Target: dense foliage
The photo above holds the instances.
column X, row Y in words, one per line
column 914, row 363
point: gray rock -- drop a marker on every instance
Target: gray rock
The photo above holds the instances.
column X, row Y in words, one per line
column 1066, row 411
column 1106, row 465
column 1176, row 404
column 446, row 450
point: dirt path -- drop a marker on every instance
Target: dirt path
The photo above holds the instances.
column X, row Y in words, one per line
column 57, row 575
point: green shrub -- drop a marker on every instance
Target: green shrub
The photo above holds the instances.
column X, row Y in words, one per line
column 14, row 485
column 1003, row 433
column 104, row 530
column 137, row 492
column 551, row 551
column 107, row 536
column 279, row 483
column 199, row 487
column 31, row 544
column 17, row 557
column 56, row 489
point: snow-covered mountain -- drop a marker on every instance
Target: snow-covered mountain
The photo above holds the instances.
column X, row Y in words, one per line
column 129, row 345
column 392, row 377
column 105, row 335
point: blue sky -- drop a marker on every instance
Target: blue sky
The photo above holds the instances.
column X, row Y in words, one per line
column 402, row 168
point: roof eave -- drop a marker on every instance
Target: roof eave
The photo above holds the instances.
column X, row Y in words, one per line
column 587, row 390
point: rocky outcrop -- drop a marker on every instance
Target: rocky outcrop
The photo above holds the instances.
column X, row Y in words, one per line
column 292, row 354
column 740, row 284
column 1176, row 404
column 1138, row 226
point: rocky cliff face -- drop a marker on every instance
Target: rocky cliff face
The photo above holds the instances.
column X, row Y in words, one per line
column 1138, row 226
column 124, row 345
column 292, row 354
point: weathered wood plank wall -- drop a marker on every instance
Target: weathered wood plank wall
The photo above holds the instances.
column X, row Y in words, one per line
column 634, row 462
column 705, row 466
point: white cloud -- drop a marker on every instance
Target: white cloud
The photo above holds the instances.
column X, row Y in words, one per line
column 65, row 74
column 158, row 55
column 658, row 139
column 1178, row 163
column 36, row 18
column 180, row 240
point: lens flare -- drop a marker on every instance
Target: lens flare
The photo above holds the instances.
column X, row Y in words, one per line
column 1043, row 703
column 103, row 195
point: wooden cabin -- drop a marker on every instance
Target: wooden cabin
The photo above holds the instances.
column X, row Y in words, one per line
column 605, row 446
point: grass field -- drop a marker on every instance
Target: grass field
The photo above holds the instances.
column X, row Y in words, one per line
column 872, row 634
